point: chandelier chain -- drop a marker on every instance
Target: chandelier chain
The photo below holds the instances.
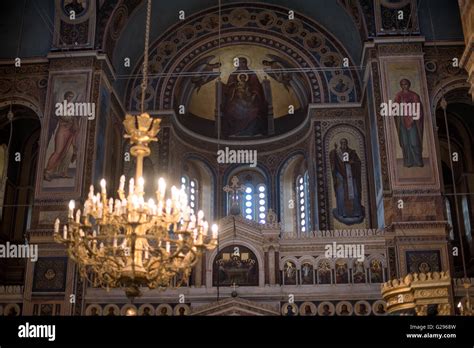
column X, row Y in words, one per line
column 145, row 59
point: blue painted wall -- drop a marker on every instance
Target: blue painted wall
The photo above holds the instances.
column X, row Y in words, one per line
column 38, row 26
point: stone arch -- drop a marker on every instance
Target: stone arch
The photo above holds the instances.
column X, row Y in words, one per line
column 210, row 257
column 23, row 100
column 445, row 87
column 293, row 259
column 308, row 259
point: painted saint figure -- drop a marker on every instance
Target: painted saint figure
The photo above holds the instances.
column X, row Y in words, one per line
column 64, row 138
column 244, row 108
column 410, row 130
column 346, row 175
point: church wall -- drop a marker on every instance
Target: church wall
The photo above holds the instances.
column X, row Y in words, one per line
column 399, row 240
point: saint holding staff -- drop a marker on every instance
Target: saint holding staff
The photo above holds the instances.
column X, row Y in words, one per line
column 346, row 175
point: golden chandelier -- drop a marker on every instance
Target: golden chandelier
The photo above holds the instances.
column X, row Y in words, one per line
column 128, row 241
column 132, row 242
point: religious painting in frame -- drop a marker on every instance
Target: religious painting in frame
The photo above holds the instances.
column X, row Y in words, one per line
column 410, row 140
column 423, row 258
column 63, row 138
column 423, row 261
column 346, row 177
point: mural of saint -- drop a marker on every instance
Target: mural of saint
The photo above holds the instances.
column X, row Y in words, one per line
column 244, row 108
column 307, row 273
column 376, row 271
column 290, row 273
column 362, row 309
column 111, row 312
column 344, row 310
column 346, row 175
column 342, row 273
column 359, row 272
column 324, row 272
column 410, row 131
column 380, row 309
column 65, row 137
column 164, row 311
column 289, row 309
column 307, row 309
column 341, row 87
column 325, row 310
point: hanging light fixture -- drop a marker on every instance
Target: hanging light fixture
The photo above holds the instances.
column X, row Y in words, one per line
column 133, row 241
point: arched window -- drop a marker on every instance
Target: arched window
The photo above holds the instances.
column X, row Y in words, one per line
column 253, row 199
column 191, row 187
column 302, row 198
column 467, row 219
column 450, row 218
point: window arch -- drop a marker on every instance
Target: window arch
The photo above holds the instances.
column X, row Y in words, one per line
column 302, row 199
column 253, row 200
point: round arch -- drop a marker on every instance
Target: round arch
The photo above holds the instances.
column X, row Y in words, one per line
column 210, row 257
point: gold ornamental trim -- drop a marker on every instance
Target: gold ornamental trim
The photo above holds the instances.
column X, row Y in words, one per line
column 417, row 291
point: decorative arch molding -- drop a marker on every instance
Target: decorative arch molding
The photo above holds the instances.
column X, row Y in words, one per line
column 304, row 42
column 236, row 168
column 292, row 259
column 23, row 100
column 307, row 259
column 444, row 88
column 332, row 261
column 378, row 257
column 251, row 246
column 113, row 16
column 199, row 158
